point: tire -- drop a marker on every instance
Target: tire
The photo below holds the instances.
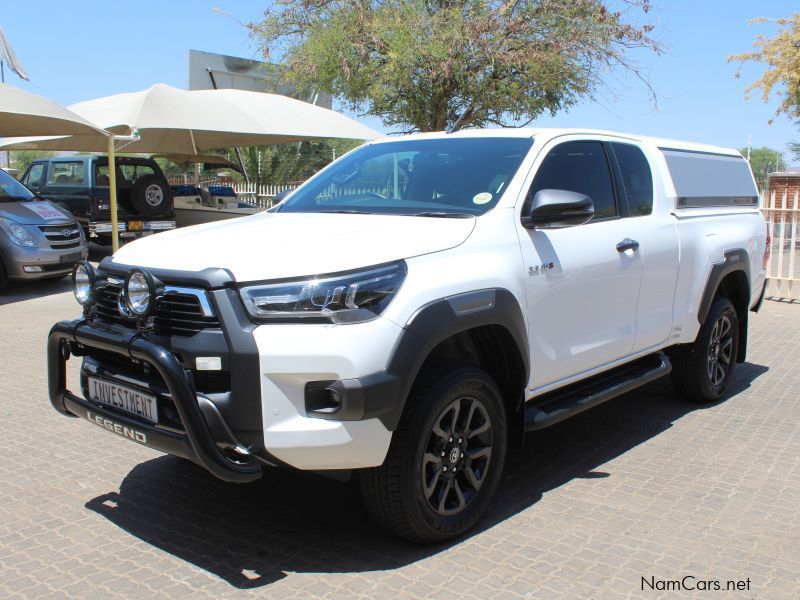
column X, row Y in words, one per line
column 701, row 371
column 151, row 196
column 432, row 488
column 3, row 276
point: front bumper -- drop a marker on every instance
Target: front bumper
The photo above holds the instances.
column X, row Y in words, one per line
column 24, row 263
column 130, row 229
column 196, row 442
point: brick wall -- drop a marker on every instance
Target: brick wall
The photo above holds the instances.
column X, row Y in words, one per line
column 790, row 184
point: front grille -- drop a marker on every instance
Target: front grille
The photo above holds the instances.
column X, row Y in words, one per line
column 176, row 312
column 62, row 237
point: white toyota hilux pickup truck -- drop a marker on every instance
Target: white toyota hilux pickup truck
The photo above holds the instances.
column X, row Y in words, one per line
column 418, row 305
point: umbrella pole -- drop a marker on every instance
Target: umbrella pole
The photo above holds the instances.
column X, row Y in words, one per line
column 112, row 192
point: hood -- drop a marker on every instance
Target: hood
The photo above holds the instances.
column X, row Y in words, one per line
column 35, row 213
column 278, row 245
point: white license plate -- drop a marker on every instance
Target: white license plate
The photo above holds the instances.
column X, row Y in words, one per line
column 124, row 398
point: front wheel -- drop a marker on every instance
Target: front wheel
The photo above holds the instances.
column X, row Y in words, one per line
column 701, row 370
column 445, row 460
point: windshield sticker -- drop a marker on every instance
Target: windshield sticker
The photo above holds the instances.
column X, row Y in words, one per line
column 482, row 198
column 45, row 210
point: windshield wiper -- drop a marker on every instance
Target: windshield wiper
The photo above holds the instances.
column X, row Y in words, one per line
column 345, row 212
column 443, row 215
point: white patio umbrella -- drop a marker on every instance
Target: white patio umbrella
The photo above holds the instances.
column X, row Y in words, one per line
column 164, row 119
column 173, row 121
column 24, row 113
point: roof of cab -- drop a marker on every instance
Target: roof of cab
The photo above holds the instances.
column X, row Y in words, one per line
column 550, row 133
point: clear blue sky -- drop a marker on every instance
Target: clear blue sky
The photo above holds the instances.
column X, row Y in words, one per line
column 84, row 49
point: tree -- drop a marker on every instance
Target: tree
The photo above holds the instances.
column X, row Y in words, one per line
column 782, row 54
column 764, row 161
column 287, row 163
column 423, row 64
column 21, row 159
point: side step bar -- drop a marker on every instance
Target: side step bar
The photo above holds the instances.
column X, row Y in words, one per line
column 561, row 404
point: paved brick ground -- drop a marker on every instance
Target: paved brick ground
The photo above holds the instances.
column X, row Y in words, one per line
column 645, row 486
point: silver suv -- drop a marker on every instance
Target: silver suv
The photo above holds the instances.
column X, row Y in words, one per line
column 37, row 239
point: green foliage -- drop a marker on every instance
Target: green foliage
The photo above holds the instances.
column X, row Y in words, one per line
column 420, row 64
column 764, row 161
column 794, row 148
column 21, row 159
column 287, row 163
column 781, row 54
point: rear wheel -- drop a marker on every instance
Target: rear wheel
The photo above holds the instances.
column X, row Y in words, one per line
column 3, row 276
column 445, row 460
column 701, row 371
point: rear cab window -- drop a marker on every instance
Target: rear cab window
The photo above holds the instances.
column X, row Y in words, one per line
column 132, row 172
column 67, row 172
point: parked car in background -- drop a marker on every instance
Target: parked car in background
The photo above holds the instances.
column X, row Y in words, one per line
column 80, row 184
column 37, row 240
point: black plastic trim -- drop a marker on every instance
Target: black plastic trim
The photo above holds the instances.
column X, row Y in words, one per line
column 243, row 410
column 735, row 260
column 147, row 435
column 351, row 396
column 198, row 437
column 755, row 308
column 210, row 278
column 383, row 395
column 711, row 201
column 561, row 404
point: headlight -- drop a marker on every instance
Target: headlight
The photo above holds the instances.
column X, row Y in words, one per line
column 18, row 234
column 83, row 281
column 345, row 298
column 138, row 294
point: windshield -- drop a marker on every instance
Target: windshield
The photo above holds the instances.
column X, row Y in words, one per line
column 12, row 190
column 437, row 177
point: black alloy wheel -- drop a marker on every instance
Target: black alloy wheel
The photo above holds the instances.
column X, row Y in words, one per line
column 457, row 456
column 701, row 370
column 445, row 460
column 720, row 351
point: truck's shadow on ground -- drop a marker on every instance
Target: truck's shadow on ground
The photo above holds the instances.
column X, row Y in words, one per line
column 251, row 535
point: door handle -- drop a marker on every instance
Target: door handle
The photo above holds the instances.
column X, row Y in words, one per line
column 627, row 244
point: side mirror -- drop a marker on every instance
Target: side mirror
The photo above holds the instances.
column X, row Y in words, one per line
column 557, row 208
column 281, row 195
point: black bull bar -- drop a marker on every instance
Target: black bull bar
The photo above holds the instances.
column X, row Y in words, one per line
column 197, row 444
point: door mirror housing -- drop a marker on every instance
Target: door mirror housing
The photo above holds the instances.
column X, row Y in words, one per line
column 282, row 194
column 557, row 208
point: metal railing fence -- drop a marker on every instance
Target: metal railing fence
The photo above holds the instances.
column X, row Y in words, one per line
column 781, row 209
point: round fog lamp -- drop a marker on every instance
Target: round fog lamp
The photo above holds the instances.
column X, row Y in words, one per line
column 139, row 292
column 83, row 280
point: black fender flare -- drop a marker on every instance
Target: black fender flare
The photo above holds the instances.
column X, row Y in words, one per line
column 385, row 393
column 735, row 260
